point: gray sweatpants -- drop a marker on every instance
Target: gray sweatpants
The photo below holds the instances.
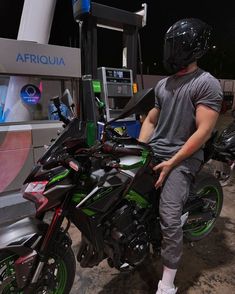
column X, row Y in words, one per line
column 174, row 195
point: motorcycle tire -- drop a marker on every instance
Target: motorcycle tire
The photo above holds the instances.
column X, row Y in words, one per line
column 208, row 188
column 63, row 273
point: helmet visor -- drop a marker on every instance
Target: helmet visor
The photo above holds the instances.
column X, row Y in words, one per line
column 176, row 54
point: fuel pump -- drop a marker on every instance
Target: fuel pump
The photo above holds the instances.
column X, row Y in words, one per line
column 116, row 84
column 117, row 89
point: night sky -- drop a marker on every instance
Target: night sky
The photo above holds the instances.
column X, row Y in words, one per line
column 161, row 14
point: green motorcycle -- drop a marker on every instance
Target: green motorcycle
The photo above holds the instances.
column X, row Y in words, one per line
column 107, row 191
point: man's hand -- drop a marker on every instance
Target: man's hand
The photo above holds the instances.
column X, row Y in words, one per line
column 164, row 169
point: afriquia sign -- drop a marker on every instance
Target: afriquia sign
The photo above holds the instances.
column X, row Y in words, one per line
column 30, row 58
column 40, row 59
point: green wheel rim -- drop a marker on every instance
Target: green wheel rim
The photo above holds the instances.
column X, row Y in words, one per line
column 9, row 261
column 61, row 276
column 205, row 228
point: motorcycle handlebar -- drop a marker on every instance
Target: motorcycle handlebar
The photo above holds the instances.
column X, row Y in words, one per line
column 117, row 149
column 62, row 159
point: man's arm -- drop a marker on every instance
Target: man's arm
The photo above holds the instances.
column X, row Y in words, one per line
column 205, row 122
column 149, row 125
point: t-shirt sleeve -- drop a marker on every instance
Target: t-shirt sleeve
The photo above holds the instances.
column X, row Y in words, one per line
column 157, row 96
column 209, row 93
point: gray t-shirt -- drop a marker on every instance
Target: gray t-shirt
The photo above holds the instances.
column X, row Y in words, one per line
column 177, row 98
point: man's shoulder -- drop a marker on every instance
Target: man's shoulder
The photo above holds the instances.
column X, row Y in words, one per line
column 160, row 84
column 162, row 81
column 205, row 78
column 205, row 75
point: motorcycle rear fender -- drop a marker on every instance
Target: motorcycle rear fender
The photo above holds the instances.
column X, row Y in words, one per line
column 21, row 235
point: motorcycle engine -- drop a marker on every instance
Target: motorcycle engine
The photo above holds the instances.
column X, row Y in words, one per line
column 127, row 237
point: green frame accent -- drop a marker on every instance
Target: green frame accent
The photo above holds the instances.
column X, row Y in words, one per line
column 88, row 211
column 140, row 163
column 102, row 193
column 59, row 176
column 77, row 197
column 136, row 197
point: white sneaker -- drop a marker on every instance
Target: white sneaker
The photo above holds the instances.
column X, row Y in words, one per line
column 162, row 289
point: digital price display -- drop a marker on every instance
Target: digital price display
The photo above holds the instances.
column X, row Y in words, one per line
column 118, row 76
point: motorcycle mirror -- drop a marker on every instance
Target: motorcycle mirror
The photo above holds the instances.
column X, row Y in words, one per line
column 67, row 99
column 56, row 101
column 140, row 103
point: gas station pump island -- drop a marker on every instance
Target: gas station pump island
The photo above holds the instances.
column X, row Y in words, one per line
column 32, row 72
column 117, row 85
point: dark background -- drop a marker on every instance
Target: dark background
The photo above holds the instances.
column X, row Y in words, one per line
column 161, row 15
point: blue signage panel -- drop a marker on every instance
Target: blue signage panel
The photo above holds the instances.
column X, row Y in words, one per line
column 30, row 94
column 30, row 58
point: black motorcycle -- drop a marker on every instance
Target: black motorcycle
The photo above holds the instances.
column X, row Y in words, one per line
column 222, row 163
column 107, row 191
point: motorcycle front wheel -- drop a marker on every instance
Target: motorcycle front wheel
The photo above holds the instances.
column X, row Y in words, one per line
column 57, row 276
column 209, row 189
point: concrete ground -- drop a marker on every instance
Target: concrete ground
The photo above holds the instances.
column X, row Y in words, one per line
column 208, row 266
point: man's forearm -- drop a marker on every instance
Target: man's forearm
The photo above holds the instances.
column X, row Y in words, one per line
column 193, row 144
column 149, row 125
column 146, row 131
column 205, row 121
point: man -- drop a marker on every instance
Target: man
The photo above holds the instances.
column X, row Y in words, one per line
column 187, row 105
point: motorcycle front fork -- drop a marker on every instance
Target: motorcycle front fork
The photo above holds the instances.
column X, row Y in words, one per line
column 47, row 244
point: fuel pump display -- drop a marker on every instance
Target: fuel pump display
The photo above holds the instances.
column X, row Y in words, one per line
column 116, row 91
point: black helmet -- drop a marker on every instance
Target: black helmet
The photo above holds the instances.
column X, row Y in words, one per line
column 185, row 41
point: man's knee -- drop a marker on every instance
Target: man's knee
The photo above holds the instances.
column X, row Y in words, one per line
column 170, row 214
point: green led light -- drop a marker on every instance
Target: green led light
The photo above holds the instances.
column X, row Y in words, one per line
column 96, row 86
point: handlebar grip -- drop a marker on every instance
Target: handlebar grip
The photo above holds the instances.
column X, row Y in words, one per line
column 116, row 149
column 127, row 151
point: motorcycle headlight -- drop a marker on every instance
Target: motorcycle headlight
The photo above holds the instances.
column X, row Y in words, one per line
column 35, row 187
column 34, row 192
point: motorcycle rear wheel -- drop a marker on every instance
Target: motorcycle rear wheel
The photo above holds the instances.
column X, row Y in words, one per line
column 59, row 272
column 209, row 189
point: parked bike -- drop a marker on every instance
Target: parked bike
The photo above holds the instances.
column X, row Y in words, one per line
column 222, row 163
column 107, row 191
